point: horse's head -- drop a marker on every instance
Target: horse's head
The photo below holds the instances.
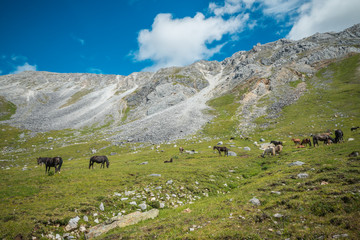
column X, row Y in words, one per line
column 107, row 164
column 214, row 147
column 39, row 160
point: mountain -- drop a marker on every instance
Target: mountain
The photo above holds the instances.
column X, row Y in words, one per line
column 174, row 102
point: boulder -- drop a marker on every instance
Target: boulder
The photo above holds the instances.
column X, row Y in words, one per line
column 121, row 221
column 73, row 224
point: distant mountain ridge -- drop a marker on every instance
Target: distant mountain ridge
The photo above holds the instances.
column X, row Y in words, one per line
column 172, row 102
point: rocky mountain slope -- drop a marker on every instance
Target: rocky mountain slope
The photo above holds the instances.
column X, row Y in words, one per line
column 172, row 102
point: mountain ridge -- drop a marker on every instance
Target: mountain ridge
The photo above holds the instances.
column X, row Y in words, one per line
column 171, row 103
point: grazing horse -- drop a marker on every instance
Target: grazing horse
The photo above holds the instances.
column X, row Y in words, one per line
column 99, row 159
column 339, row 136
column 296, row 141
column 276, row 143
column 170, row 161
column 321, row 137
column 222, row 149
column 268, row 151
column 278, row 149
column 181, row 149
column 55, row 162
column 305, row 142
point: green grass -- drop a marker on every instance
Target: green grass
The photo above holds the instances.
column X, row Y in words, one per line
column 7, row 109
column 216, row 189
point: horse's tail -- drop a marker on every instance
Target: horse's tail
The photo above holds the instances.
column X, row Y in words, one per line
column 107, row 162
column 60, row 163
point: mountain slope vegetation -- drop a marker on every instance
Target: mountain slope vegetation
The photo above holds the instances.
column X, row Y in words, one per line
column 204, row 195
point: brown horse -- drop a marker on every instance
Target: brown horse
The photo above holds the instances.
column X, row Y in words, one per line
column 296, row 141
column 306, row 141
column 222, row 149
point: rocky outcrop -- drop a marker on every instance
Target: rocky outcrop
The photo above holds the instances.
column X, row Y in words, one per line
column 121, row 221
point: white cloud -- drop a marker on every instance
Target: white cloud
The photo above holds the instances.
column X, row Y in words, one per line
column 178, row 42
column 325, row 16
column 25, row 67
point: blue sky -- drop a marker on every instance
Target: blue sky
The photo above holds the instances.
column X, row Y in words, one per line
column 125, row 36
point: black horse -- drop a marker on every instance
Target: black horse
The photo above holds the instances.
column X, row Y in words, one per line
column 99, row 159
column 222, row 149
column 339, row 136
column 276, row 143
column 55, row 162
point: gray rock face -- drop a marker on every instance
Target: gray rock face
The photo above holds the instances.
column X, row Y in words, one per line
column 172, row 103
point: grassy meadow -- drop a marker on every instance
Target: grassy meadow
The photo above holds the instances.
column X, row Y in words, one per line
column 205, row 196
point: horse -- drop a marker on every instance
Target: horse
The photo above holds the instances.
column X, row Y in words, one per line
column 181, row 149
column 296, row 141
column 268, row 151
column 339, row 136
column 99, row 159
column 55, row 162
column 276, row 143
column 278, row 149
column 222, row 149
column 321, row 137
column 305, row 142
column 170, row 161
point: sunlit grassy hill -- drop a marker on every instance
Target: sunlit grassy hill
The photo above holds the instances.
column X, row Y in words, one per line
column 201, row 195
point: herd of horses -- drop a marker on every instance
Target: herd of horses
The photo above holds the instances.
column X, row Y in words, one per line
column 57, row 162
column 277, row 147
column 323, row 137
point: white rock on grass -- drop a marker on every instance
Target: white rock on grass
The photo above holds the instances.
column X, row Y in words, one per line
column 255, row 201
column 303, row 175
column 247, row 148
column 101, row 207
column 73, row 224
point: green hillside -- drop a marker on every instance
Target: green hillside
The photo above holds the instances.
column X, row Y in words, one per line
column 209, row 195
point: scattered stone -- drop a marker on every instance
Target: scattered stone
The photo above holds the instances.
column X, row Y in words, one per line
column 233, row 154
column 262, row 140
column 143, row 163
column 101, row 207
column 82, row 228
column 345, row 235
column 255, row 201
column 121, row 221
column 191, row 229
column 297, row 163
column 351, row 139
column 124, row 199
column 117, row 194
column 303, row 175
column 86, row 219
column 128, row 193
column 276, row 192
column 220, row 143
column 143, row 206
column 278, row 215
column 161, row 205
column 158, row 188
column 133, row 203
column 324, row 183
column 96, row 220
column 155, row 175
column 247, row 149
column 73, row 224
column 170, row 182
